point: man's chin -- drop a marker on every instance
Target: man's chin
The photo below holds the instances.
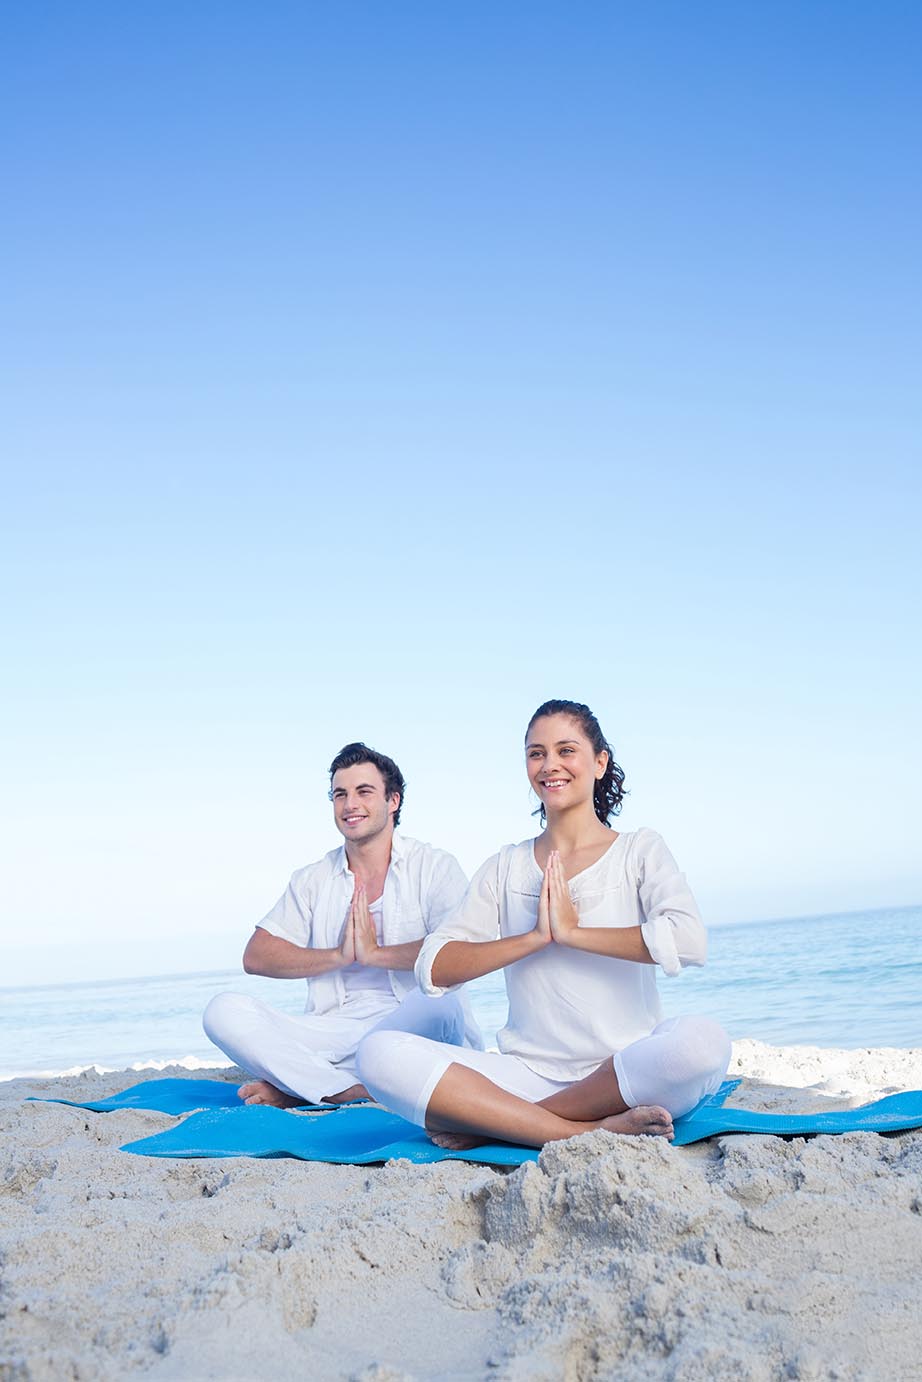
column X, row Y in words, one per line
column 357, row 834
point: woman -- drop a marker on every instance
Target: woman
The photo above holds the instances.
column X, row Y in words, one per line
column 578, row 919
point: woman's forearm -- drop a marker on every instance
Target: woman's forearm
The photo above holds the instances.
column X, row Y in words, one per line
column 617, row 942
column 401, row 957
column 459, row 961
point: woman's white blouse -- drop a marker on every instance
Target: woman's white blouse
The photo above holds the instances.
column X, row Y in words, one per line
column 570, row 1009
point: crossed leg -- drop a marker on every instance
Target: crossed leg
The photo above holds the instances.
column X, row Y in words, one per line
column 310, row 1058
column 465, row 1097
column 466, row 1109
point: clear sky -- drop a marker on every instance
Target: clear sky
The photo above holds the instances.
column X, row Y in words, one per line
column 379, row 370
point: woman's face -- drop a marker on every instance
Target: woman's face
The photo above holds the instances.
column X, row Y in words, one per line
column 562, row 767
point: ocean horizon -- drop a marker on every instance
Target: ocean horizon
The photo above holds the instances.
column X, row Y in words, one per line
column 846, row 980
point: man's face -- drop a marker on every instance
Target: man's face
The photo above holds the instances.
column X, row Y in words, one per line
column 361, row 808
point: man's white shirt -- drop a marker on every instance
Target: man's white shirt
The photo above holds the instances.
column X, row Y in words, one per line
column 424, row 887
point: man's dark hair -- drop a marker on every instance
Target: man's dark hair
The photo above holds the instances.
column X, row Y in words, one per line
column 354, row 754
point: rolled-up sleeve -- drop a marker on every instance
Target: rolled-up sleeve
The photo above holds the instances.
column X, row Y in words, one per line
column 290, row 918
column 672, row 928
column 476, row 919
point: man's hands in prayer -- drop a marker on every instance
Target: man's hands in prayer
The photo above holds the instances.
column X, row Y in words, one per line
column 359, row 944
column 347, row 944
column 363, row 928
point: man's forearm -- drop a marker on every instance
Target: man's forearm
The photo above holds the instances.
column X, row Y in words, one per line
column 280, row 959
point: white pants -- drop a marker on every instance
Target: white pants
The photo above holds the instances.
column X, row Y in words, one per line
column 681, row 1062
column 313, row 1056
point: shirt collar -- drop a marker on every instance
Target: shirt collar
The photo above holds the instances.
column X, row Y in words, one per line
column 398, row 854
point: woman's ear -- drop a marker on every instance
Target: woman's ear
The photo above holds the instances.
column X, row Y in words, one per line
column 601, row 764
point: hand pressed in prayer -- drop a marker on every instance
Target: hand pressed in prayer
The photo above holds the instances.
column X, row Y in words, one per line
column 366, row 937
column 543, row 924
column 564, row 918
column 347, row 943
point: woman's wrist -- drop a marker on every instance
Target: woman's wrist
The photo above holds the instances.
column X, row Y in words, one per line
column 535, row 940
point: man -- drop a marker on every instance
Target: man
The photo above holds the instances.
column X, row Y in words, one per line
column 352, row 925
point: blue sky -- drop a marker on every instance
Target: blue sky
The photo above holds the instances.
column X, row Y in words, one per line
column 378, row 371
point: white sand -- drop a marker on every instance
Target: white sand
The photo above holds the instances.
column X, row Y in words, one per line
column 744, row 1257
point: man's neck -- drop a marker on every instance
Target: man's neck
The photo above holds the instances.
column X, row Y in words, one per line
column 370, row 859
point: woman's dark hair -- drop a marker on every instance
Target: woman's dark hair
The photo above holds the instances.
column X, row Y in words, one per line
column 610, row 789
column 354, row 754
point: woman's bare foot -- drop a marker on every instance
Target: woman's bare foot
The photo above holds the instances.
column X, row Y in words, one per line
column 456, row 1141
column 645, row 1120
column 262, row 1092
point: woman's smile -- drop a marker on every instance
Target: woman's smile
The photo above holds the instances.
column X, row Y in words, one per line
column 560, row 759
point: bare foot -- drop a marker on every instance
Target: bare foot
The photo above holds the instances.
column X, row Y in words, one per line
column 646, row 1119
column 355, row 1091
column 262, row 1092
column 456, row 1141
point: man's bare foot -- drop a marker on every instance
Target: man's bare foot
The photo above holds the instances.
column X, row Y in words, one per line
column 347, row 1096
column 456, row 1141
column 262, row 1092
column 646, row 1119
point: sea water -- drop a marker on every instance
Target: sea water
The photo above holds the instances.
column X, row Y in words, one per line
column 848, row 980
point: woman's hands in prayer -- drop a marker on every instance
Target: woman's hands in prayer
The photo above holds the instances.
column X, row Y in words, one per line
column 558, row 921
column 560, row 918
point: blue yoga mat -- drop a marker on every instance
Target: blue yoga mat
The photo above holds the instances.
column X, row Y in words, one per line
column 361, row 1135
column 894, row 1113
column 355, row 1136
column 358, row 1135
column 173, row 1096
column 187, row 1096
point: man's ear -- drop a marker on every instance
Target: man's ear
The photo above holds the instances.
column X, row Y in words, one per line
column 395, row 798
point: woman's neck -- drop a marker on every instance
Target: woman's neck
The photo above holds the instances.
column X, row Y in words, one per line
column 572, row 831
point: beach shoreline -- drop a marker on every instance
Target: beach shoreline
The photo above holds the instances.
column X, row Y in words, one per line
column 745, row 1256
